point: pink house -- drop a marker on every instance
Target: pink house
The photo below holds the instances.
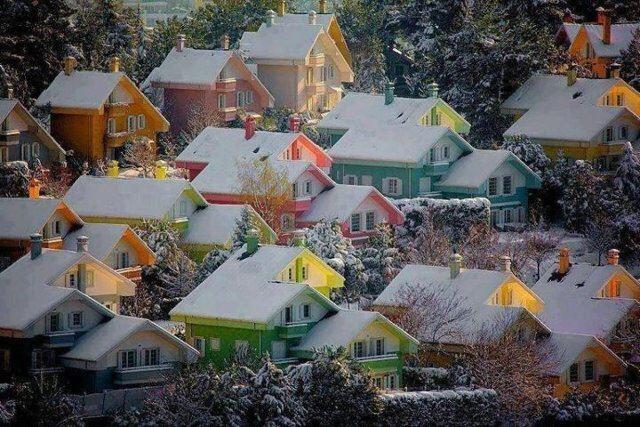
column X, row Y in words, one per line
column 213, row 159
column 198, row 81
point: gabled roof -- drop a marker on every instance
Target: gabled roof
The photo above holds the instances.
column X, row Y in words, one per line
column 80, row 89
column 570, row 123
column 621, row 37
column 9, row 105
column 103, row 238
column 547, row 90
column 341, row 328
column 27, row 290
column 216, row 224
column 295, row 168
column 568, row 347
column 398, row 144
column 224, row 149
column 131, row 198
column 22, row 217
column 570, row 29
column 339, row 202
column 292, row 42
column 97, row 342
column 192, row 66
column 472, row 170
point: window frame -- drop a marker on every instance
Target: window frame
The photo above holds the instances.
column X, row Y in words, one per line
column 352, row 221
column 132, row 121
column 59, row 326
column 222, row 101
column 248, row 97
column 111, row 126
column 124, row 361
column 396, row 186
column 509, row 179
column 574, row 366
column 72, row 317
column 147, row 356
column 141, row 121
column 591, row 377
column 214, row 343
column 494, row 180
column 240, row 99
column 370, row 215
column 306, row 311
column 25, row 152
column 196, row 345
column 359, row 349
column 347, row 179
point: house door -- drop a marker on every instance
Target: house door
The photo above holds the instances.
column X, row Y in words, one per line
column 425, row 185
column 279, row 350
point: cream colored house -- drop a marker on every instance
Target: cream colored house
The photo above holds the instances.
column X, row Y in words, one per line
column 298, row 62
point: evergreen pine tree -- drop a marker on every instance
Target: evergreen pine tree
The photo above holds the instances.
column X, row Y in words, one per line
column 627, row 178
column 630, row 61
column 580, row 195
column 529, row 152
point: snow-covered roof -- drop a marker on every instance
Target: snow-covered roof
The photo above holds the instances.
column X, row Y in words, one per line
column 102, row 239
column 472, row 170
column 97, row 342
column 571, row 30
column 474, row 285
column 215, row 224
column 570, row 123
column 365, row 110
column 567, row 348
column 339, row 202
column 27, row 293
column 292, row 42
column 341, row 328
column 621, row 37
column 191, row 66
column 224, row 149
column 80, row 89
column 245, row 287
column 381, row 143
column 22, row 217
column 134, row 198
column 579, row 289
column 547, row 91
column 322, row 19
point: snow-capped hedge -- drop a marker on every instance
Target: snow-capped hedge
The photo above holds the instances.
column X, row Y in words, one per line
column 455, row 216
column 440, row 408
column 435, row 378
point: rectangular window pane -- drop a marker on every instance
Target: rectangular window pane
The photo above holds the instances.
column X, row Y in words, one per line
column 370, row 220
column 493, row 186
column 589, row 371
column 215, row 344
column 506, row 185
column 355, row 222
column 306, row 310
column 573, row 373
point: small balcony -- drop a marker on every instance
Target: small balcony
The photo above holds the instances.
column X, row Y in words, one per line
column 316, row 60
column 142, row 374
column 117, row 139
column 132, row 273
column 315, row 88
column 226, row 85
column 43, row 370
column 59, row 339
column 293, row 330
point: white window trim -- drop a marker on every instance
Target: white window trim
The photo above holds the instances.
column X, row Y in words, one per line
column 131, row 123
column 351, row 218
column 497, row 192
column 397, row 181
column 502, row 185
column 366, row 214
column 141, row 121
column 214, row 344
column 346, row 178
column 222, row 101
column 111, row 126
column 198, row 339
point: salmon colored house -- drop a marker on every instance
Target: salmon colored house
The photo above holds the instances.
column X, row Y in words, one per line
column 95, row 113
column 196, row 81
column 214, row 159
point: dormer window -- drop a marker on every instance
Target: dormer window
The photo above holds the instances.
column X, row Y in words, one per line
column 55, row 322
column 624, row 132
column 620, row 99
column 608, row 134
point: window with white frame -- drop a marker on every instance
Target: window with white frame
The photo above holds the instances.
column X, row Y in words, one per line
column 55, row 322
column 35, row 149
column 608, row 134
column 123, row 260
column 214, row 344
column 72, row 280
column 294, row 190
column 288, row 314
column 589, row 370
column 624, row 132
column 332, row 71
column 199, row 344
column 508, row 216
column 290, row 274
column 620, row 99
column 355, row 222
column 494, row 218
column 350, row 180
column 183, row 208
column 506, row 184
column 390, row 381
column 432, row 155
column 55, row 228
column 393, row 186
column 308, row 187
column 359, row 349
column 378, row 382
column 323, row 74
column 128, row 359
column 366, row 180
column 111, row 126
column 306, row 311
column 493, row 186
column 75, row 320
column 305, row 272
column 370, row 221
column 221, row 100
column 131, row 123
column 249, row 97
column 377, row 347
column 607, row 100
column 445, row 152
column 142, row 121
column 26, row 152
column 574, row 373
column 151, row 356
column 240, row 99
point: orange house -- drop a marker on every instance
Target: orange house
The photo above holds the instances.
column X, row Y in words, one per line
column 598, row 45
column 95, row 113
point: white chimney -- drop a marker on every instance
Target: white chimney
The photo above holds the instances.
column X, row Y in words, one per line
column 455, row 263
column 180, row 42
column 82, row 244
column 36, row 245
column 312, row 17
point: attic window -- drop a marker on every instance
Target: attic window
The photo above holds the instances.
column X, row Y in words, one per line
column 577, row 95
column 255, row 150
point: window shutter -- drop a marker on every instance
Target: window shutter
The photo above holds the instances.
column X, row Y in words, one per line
column 399, row 186
column 385, row 185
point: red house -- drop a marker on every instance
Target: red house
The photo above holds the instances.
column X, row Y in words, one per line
column 198, row 81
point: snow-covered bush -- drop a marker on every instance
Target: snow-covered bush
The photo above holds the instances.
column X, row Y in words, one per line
column 14, row 179
column 439, row 408
column 455, row 216
column 436, row 378
column 381, row 259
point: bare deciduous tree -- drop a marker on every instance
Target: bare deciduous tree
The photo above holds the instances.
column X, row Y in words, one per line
column 141, row 152
column 600, row 236
column 513, row 245
column 201, row 116
column 266, row 189
column 431, row 245
column 539, row 246
column 480, row 247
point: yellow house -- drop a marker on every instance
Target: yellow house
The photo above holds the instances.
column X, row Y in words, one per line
column 588, row 119
column 95, row 113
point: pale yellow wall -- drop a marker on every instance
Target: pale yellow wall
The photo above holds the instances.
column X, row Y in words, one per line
column 191, row 207
column 316, row 185
column 282, row 81
column 375, row 330
column 513, row 294
column 15, row 122
column 317, row 311
column 65, row 225
column 91, row 317
column 120, row 94
column 601, row 367
column 631, row 98
column 104, row 284
column 122, row 246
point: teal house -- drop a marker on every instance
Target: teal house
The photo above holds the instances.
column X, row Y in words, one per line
column 434, row 161
column 364, row 110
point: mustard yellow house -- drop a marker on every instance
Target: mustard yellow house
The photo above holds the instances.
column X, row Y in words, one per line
column 95, row 113
column 588, row 119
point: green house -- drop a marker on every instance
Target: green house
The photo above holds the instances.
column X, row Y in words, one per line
column 434, row 161
column 365, row 110
column 246, row 308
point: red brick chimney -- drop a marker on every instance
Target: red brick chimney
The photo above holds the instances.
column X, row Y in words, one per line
column 606, row 29
column 34, row 188
column 294, row 123
column 563, row 261
column 600, row 14
column 249, row 127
